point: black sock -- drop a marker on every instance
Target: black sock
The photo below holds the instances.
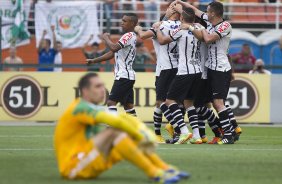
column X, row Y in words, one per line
column 224, row 122
column 193, row 121
column 158, row 120
column 202, row 126
column 131, row 112
column 232, row 117
column 212, row 119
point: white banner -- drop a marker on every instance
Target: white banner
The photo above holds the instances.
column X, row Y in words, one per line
column 14, row 15
column 74, row 22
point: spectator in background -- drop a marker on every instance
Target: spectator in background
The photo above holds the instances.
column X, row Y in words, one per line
column 259, row 68
column 58, row 57
column 151, row 6
column 45, row 52
column 108, row 9
column 13, row 59
column 143, row 56
column 94, row 52
column 244, row 58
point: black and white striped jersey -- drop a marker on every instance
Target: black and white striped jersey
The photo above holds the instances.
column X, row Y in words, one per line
column 218, row 50
column 189, row 52
column 204, row 59
column 167, row 55
column 125, row 56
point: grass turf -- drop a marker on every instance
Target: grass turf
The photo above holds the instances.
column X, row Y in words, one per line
column 26, row 156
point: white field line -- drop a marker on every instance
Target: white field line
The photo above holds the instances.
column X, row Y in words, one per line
column 186, row 148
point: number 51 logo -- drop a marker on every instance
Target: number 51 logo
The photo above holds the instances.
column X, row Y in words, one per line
column 21, row 97
column 242, row 97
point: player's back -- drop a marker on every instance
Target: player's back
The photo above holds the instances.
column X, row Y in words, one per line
column 168, row 54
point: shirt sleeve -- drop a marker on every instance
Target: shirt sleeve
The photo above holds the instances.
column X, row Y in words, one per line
column 175, row 34
column 223, row 29
column 204, row 16
column 124, row 41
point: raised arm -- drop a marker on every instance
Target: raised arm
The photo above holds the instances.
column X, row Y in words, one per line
column 144, row 34
column 114, row 47
column 109, row 55
column 162, row 39
column 188, row 5
column 86, row 43
column 210, row 38
column 54, row 37
column 197, row 32
column 41, row 40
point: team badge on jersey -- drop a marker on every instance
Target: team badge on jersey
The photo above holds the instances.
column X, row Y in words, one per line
column 224, row 26
column 126, row 38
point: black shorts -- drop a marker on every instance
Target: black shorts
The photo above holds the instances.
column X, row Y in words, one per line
column 203, row 95
column 163, row 82
column 219, row 83
column 122, row 91
column 184, row 87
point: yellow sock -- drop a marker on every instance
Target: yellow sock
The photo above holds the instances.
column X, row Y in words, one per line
column 157, row 161
column 129, row 151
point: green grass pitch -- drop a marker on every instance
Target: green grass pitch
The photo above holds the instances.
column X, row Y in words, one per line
column 27, row 156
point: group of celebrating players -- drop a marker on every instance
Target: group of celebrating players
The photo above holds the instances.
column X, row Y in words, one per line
column 193, row 72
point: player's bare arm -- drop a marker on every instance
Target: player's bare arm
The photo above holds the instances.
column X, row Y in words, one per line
column 143, row 34
column 196, row 32
column 54, row 37
column 114, row 47
column 188, row 5
column 109, row 55
column 86, row 43
column 210, row 38
column 162, row 39
column 42, row 39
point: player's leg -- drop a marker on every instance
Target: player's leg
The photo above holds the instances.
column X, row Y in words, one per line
column 219, row 81
column 157, row 116
column 128, row 100
column 213, row 121
column 128, row 149
column 114, row 141
column 177, row 92
column 114, row 96
column 233, row 121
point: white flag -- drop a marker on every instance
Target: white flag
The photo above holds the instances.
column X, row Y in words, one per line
column 14, row 22
column 74, row 22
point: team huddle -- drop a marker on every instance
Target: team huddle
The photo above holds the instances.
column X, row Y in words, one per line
column 193, row 74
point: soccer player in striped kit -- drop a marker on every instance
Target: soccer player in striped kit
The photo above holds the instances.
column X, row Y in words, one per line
column 166, row 68
column 185, row 83
column 217, row 37
column 124, row 52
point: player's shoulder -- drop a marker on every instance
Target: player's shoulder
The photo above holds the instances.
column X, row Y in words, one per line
column 128, row 37
column 223, row 26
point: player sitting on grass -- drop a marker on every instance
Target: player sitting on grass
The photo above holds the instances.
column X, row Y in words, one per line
column 81, row 155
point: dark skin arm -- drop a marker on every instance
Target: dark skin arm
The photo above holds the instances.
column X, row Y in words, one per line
column 109, row 55
column 143, row 34
column 114, row 47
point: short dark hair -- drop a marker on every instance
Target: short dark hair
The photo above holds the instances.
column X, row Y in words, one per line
column 217, row 8
column 188, row 15
column 133, row 16
column 84, row 81
column 95, row 44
